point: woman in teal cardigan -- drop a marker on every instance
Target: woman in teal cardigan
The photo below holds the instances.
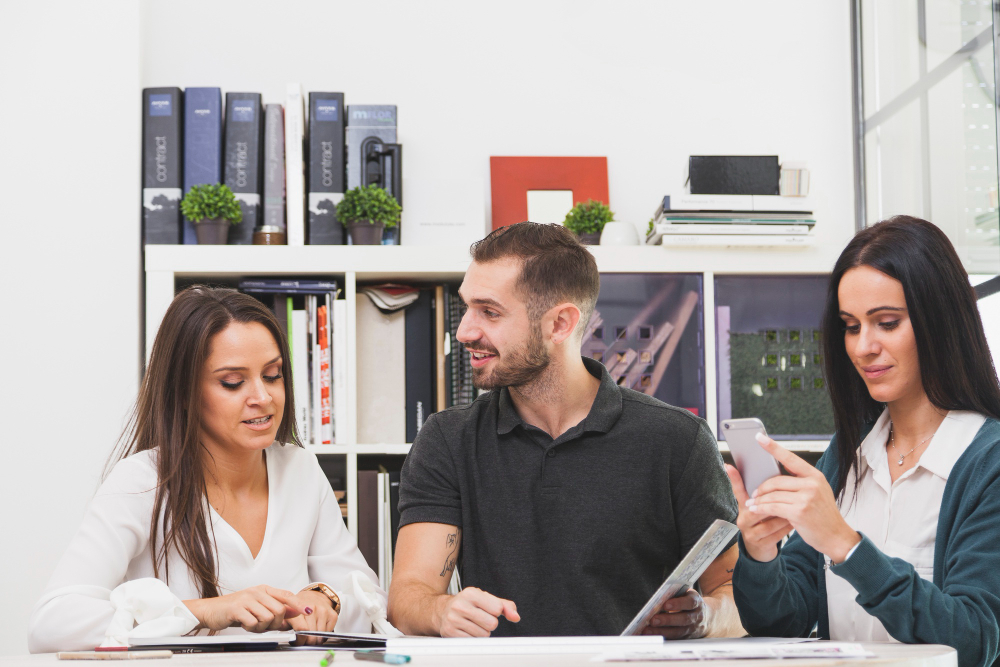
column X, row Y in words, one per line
column 897, row 530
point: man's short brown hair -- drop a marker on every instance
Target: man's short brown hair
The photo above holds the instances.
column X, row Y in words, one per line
column 555, row 267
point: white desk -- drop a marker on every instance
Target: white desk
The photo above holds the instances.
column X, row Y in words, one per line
column 897, row 655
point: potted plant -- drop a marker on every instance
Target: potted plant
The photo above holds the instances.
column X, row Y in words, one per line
column 366, row 211
column 587, row 219
column 212, row 208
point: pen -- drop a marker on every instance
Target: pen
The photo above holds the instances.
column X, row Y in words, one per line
column 112, row 655
column 379, row 656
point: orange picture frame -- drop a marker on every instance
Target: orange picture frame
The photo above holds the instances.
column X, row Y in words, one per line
column 511, row 177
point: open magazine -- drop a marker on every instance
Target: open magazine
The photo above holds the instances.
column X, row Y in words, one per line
column 705, row 550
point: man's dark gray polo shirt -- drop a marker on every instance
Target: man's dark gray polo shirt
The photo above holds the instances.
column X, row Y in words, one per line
column 578, row 531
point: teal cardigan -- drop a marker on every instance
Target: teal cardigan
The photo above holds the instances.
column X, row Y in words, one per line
column 786, row 597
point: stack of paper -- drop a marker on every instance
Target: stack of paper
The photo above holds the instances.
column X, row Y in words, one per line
column 519, row 645
column 739, row 649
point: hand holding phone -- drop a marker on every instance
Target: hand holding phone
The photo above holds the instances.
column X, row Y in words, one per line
column 754, row 464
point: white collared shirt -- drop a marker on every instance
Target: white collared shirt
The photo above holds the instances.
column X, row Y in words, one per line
column 899, row 517
column 305, row 541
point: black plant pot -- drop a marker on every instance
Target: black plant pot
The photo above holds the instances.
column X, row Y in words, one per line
column 212, row 231
column 365, row 233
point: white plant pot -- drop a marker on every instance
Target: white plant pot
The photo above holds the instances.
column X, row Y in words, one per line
column 619, row 233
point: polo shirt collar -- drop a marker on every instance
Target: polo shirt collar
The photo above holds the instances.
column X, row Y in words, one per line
column 604, row 412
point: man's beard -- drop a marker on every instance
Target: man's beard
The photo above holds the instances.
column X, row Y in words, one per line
column 521, row 365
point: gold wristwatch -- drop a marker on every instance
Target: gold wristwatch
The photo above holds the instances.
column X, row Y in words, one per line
column 327, row 591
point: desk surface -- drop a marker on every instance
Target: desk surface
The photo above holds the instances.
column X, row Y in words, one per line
column 897, row 655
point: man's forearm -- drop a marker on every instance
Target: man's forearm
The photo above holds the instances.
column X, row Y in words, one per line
column 415, row 608
column 724, row 618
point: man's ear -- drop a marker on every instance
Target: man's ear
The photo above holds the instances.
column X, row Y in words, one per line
column 564, row 319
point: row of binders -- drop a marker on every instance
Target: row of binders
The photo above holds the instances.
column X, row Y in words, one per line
column 731, row 220
column 288, row 165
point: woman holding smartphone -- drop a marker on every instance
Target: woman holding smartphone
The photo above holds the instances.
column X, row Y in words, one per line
column 211, row 493
column 896, row 529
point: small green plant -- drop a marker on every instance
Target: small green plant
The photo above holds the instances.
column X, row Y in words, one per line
column 369, row 204
column 649, row 227
column 211, row 201
column 588, row 217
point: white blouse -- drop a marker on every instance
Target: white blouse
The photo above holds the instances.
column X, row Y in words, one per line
column 305, row 541
column 899, row 517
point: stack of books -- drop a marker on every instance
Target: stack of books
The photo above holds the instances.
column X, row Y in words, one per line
column 732, row 220
column 315, row 324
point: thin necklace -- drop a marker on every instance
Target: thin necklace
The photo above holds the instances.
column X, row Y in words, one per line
column 892, row 443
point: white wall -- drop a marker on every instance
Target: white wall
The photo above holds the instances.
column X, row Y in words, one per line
column 644, row 83
column 69, row 275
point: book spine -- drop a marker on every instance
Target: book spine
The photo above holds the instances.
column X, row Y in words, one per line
column 162, row 158
column 394, row 514
column 327, row 174
column 313, row 369
column 455, row 318
column 244, row 169
column 340, row 370
column 298, row 342
column 295, row 192
column 386, row 515
column 274, row 166
column 383, row 573
column 746, row 240
column 420, row 363
column 368, row 516
column 281, row 311
column 725, row 228
column 363, row 121
column 441, row 398
column 708, row 203
column 323, row 333
column 202, row 143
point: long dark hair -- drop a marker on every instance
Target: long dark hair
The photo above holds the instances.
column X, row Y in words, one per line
column 956, row 368
column 167, row 417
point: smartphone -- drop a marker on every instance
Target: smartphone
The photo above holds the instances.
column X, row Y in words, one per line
column 755, row 465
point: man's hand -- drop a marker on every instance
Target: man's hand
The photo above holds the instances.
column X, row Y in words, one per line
column 473, row 613
column 690, row 616
column 426, row 557
column 683, row 617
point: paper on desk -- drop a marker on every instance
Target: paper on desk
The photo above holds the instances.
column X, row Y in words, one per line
column 230, row 636
column 518, row 645
column 739, row 650
column 698, row 558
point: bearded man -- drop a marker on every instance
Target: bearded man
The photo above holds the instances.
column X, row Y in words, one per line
column 563, row 499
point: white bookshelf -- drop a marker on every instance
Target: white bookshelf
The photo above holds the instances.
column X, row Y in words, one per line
column 166, row 264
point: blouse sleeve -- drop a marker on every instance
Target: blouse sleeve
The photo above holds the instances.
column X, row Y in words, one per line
column 75, row 609
column 333, row 555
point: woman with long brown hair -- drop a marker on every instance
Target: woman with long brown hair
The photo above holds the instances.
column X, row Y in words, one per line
column 211, row 493
column 895, row 530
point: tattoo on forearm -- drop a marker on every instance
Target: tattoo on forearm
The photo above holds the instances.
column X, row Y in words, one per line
column 451, row 543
